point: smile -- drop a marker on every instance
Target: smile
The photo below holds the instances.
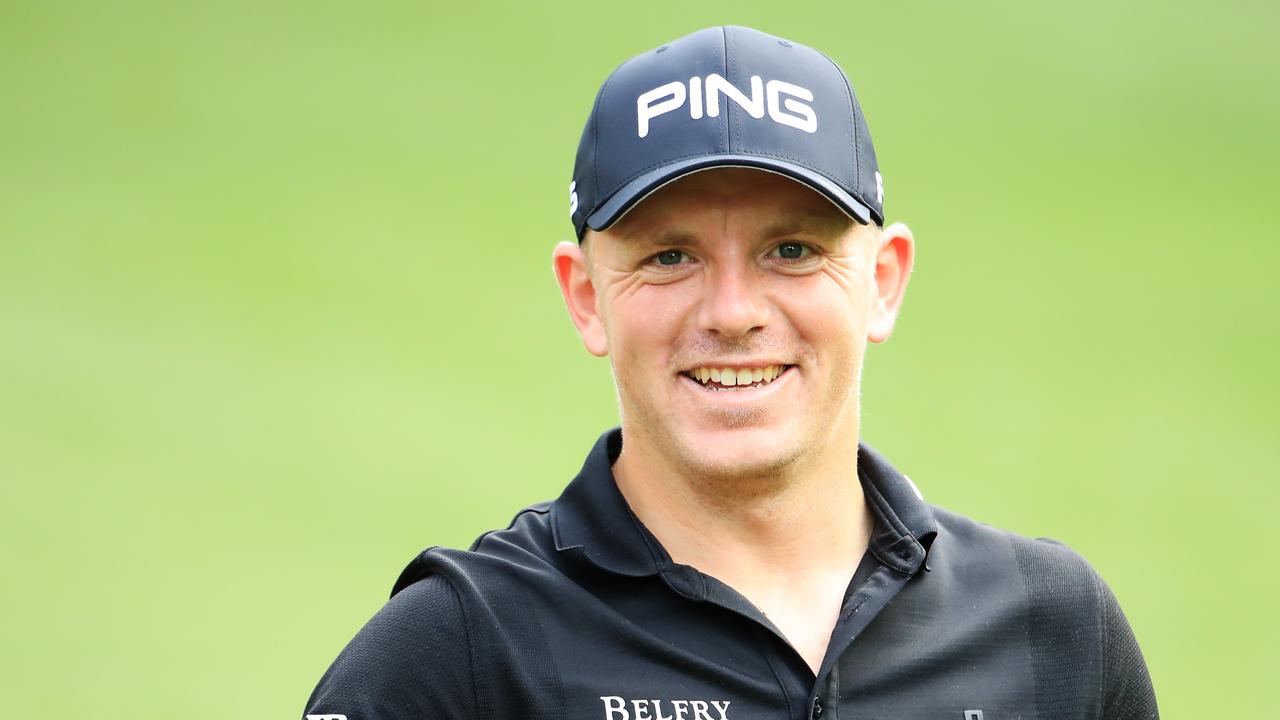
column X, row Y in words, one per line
column 728, row 378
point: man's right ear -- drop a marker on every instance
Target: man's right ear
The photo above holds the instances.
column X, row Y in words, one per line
column 574, row 276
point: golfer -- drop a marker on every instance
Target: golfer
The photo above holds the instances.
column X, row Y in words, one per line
column 734, row 551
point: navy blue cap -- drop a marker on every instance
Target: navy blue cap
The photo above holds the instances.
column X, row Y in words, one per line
column 724, row 96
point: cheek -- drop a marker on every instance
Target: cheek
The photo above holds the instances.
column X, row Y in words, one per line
column 836, row 332
column 831, row 317
column 644, row 326
column 831, row 324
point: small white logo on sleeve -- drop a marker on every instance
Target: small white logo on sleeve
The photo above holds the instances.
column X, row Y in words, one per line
column 327, row 717
column 972, row 715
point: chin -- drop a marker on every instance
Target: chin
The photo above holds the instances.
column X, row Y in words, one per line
column 728, row 453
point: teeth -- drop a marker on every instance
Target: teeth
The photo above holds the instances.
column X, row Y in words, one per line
column 730, row 377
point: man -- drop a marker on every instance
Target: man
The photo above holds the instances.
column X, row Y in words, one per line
column 733, row 551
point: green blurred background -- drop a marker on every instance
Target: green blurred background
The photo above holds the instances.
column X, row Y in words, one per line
column 276, row 312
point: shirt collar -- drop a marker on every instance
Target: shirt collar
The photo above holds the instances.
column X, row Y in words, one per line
column 592, row 519
column 905, row 527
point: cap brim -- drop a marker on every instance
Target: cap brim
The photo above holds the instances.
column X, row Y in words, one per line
column 638, row 189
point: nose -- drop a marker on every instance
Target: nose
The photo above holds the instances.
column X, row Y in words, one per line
column 733, row 302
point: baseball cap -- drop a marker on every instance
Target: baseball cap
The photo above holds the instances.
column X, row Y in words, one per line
column 724, row 96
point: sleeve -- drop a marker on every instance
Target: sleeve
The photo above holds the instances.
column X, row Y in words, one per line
column 412, row 660
column 1083, row 653
column 1127, row 693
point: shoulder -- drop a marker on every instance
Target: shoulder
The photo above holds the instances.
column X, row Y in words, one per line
column 412, row 658
column 525, row 544
column 1059, row 591
column 1045, row 566
column 1080, row 644
column 417, row 657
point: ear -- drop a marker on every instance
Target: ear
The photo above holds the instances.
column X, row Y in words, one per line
column 895, row 253
column 574, row 276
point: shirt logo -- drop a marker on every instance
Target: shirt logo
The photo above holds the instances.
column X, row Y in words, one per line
column 972, row 715
column 618, row 708
column 781, row 100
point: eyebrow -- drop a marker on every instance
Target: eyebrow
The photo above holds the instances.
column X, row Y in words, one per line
column 836, row 224
column 801, row 222
column 655, row 238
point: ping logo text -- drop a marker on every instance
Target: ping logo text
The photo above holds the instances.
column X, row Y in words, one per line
column 785, row 103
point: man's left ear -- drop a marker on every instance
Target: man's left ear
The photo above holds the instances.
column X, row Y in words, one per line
column 895, row 253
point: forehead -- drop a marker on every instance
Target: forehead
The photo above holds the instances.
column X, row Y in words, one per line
column 758, row 200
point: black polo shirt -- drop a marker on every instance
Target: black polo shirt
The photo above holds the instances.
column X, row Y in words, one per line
column 576, row 612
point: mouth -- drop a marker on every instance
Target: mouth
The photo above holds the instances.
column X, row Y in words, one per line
column 735, row 379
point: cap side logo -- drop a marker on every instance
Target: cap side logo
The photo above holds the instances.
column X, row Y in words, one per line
column 785, row 103
column 573, row 198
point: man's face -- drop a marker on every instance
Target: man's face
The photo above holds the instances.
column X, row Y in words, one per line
column 734, row 305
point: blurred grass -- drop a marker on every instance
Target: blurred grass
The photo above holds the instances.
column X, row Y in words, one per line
column 276, row 312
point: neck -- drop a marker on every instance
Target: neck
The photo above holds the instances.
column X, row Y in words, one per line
column 788, row 540
column 805, row 521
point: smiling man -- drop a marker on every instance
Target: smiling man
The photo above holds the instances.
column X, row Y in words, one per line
column 734, row 550
column 736, row 305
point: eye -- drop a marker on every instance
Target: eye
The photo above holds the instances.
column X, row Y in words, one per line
column 792, row 251
column 669, row 258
